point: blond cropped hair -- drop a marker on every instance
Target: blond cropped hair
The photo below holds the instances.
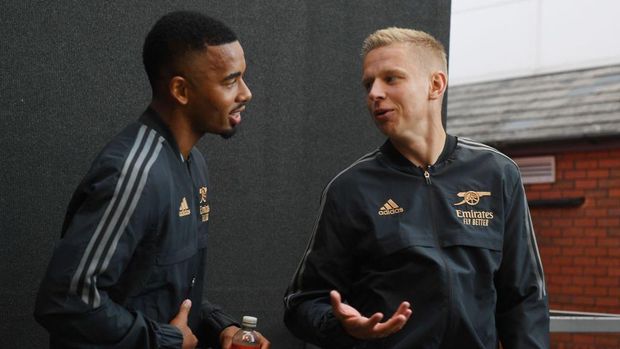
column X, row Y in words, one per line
column 419, row 39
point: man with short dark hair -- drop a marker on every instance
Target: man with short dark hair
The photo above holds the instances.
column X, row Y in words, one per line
column 130, row 263
column 430, row 228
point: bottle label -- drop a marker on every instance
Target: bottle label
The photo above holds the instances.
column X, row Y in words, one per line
column 243, row 346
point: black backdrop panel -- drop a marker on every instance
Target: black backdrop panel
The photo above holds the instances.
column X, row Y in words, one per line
column 71, row 77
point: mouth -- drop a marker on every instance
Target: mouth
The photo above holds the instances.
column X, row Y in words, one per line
column 235, row 116
column 382, row 113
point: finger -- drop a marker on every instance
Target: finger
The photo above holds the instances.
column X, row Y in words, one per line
column 184, row 310
column 394, row 324
column 264, row 343
column 336, row 301
column 403, row 309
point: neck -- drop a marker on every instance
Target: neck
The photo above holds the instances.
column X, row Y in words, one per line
column 179, row 126
column 422, row 147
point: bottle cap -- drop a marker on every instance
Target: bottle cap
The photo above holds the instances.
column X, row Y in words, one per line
column 249, row 321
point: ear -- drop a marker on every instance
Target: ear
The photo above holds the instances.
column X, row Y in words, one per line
column 438, row 85
column 178, row 88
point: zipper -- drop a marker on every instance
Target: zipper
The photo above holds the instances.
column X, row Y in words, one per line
column 427, row 177
column 191, row 287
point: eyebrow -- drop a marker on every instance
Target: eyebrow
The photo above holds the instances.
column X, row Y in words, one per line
column 232, row 76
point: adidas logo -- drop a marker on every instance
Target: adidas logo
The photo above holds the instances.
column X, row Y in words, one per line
column 390, row 207
column 184, row 209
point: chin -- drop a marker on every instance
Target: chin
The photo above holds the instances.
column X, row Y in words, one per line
column 228, row 133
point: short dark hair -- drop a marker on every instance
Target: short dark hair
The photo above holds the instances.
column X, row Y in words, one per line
column 177, row 34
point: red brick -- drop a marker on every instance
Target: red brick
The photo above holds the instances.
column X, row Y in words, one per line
column 562, row 185
column 572, row 251
column 595, row 271
column 564, row 241
column 587, row 164
column 573, row 232
column 615, row 162
column 586, row 184
column 584, row 280
column 610, row 202
column 614, row 192
column 596, row 251
column 607, row 282
column 596, row 212
column 608, row 222
column 599, row 173
column 595, row 291
column 549, row 251
column 572, row 270
column 584, row 300
column 563, row 164
column 609, row 183
column 586, row 242
column 608, row 262
column 587, row 222
column 608, row 301
column 596, row 232
column 573, row 193
column 584, row 261
column 557, row 222
column 593, row 194
column 577, row 174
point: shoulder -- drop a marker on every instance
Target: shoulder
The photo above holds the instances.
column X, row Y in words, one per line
column 351, row 176
column 486, row 158
column 130, row 156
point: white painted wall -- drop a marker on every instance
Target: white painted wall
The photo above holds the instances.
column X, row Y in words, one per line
column 499, row 39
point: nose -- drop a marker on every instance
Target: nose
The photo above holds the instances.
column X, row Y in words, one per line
column 245, row 95
column 376, row 91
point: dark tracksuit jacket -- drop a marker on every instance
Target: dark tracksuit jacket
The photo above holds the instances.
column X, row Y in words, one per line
column 455, row 240
column 132, row 248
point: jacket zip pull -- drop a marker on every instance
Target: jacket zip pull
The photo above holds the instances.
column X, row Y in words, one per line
column 191, row 287
column 427, row 176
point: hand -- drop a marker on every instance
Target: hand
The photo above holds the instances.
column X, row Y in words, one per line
column 362, row 327
column 227, row 334
column 180, row 321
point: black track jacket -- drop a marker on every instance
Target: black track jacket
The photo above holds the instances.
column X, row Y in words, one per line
column 455, row 240
column 132, row 248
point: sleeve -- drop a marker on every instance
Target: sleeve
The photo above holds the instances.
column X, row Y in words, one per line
column 522, row 315
column 107, row 218
column 214, row 320
column 327, row 265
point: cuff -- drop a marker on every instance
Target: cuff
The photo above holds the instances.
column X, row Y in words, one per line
column 169, row 337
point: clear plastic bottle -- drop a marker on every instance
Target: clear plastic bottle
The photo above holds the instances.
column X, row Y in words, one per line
column 246, row 337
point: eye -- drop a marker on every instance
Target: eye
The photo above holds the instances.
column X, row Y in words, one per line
column 390, row 79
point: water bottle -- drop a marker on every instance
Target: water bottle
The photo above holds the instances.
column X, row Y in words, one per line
column 246, row 337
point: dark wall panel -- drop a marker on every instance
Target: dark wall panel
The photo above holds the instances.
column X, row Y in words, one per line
column 71, row 77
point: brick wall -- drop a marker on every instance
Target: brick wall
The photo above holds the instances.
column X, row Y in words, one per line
column 580, row 246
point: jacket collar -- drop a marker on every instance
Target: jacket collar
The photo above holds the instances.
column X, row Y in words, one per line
column 151, row 119
column 397, row 159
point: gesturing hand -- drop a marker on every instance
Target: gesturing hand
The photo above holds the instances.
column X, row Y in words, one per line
column 362, row 327
column 180, row 321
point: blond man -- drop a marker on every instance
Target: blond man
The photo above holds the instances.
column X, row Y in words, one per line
column 426, row 242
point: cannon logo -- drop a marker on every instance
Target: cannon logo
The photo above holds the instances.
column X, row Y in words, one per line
column 472, row 198
column 390, row 208
column 473, row 217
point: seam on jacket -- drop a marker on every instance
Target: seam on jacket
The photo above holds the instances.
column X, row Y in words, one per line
column 531, row 241
column 534, row 254
column 103, row 243
column 468, row 143
column 301, row 267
